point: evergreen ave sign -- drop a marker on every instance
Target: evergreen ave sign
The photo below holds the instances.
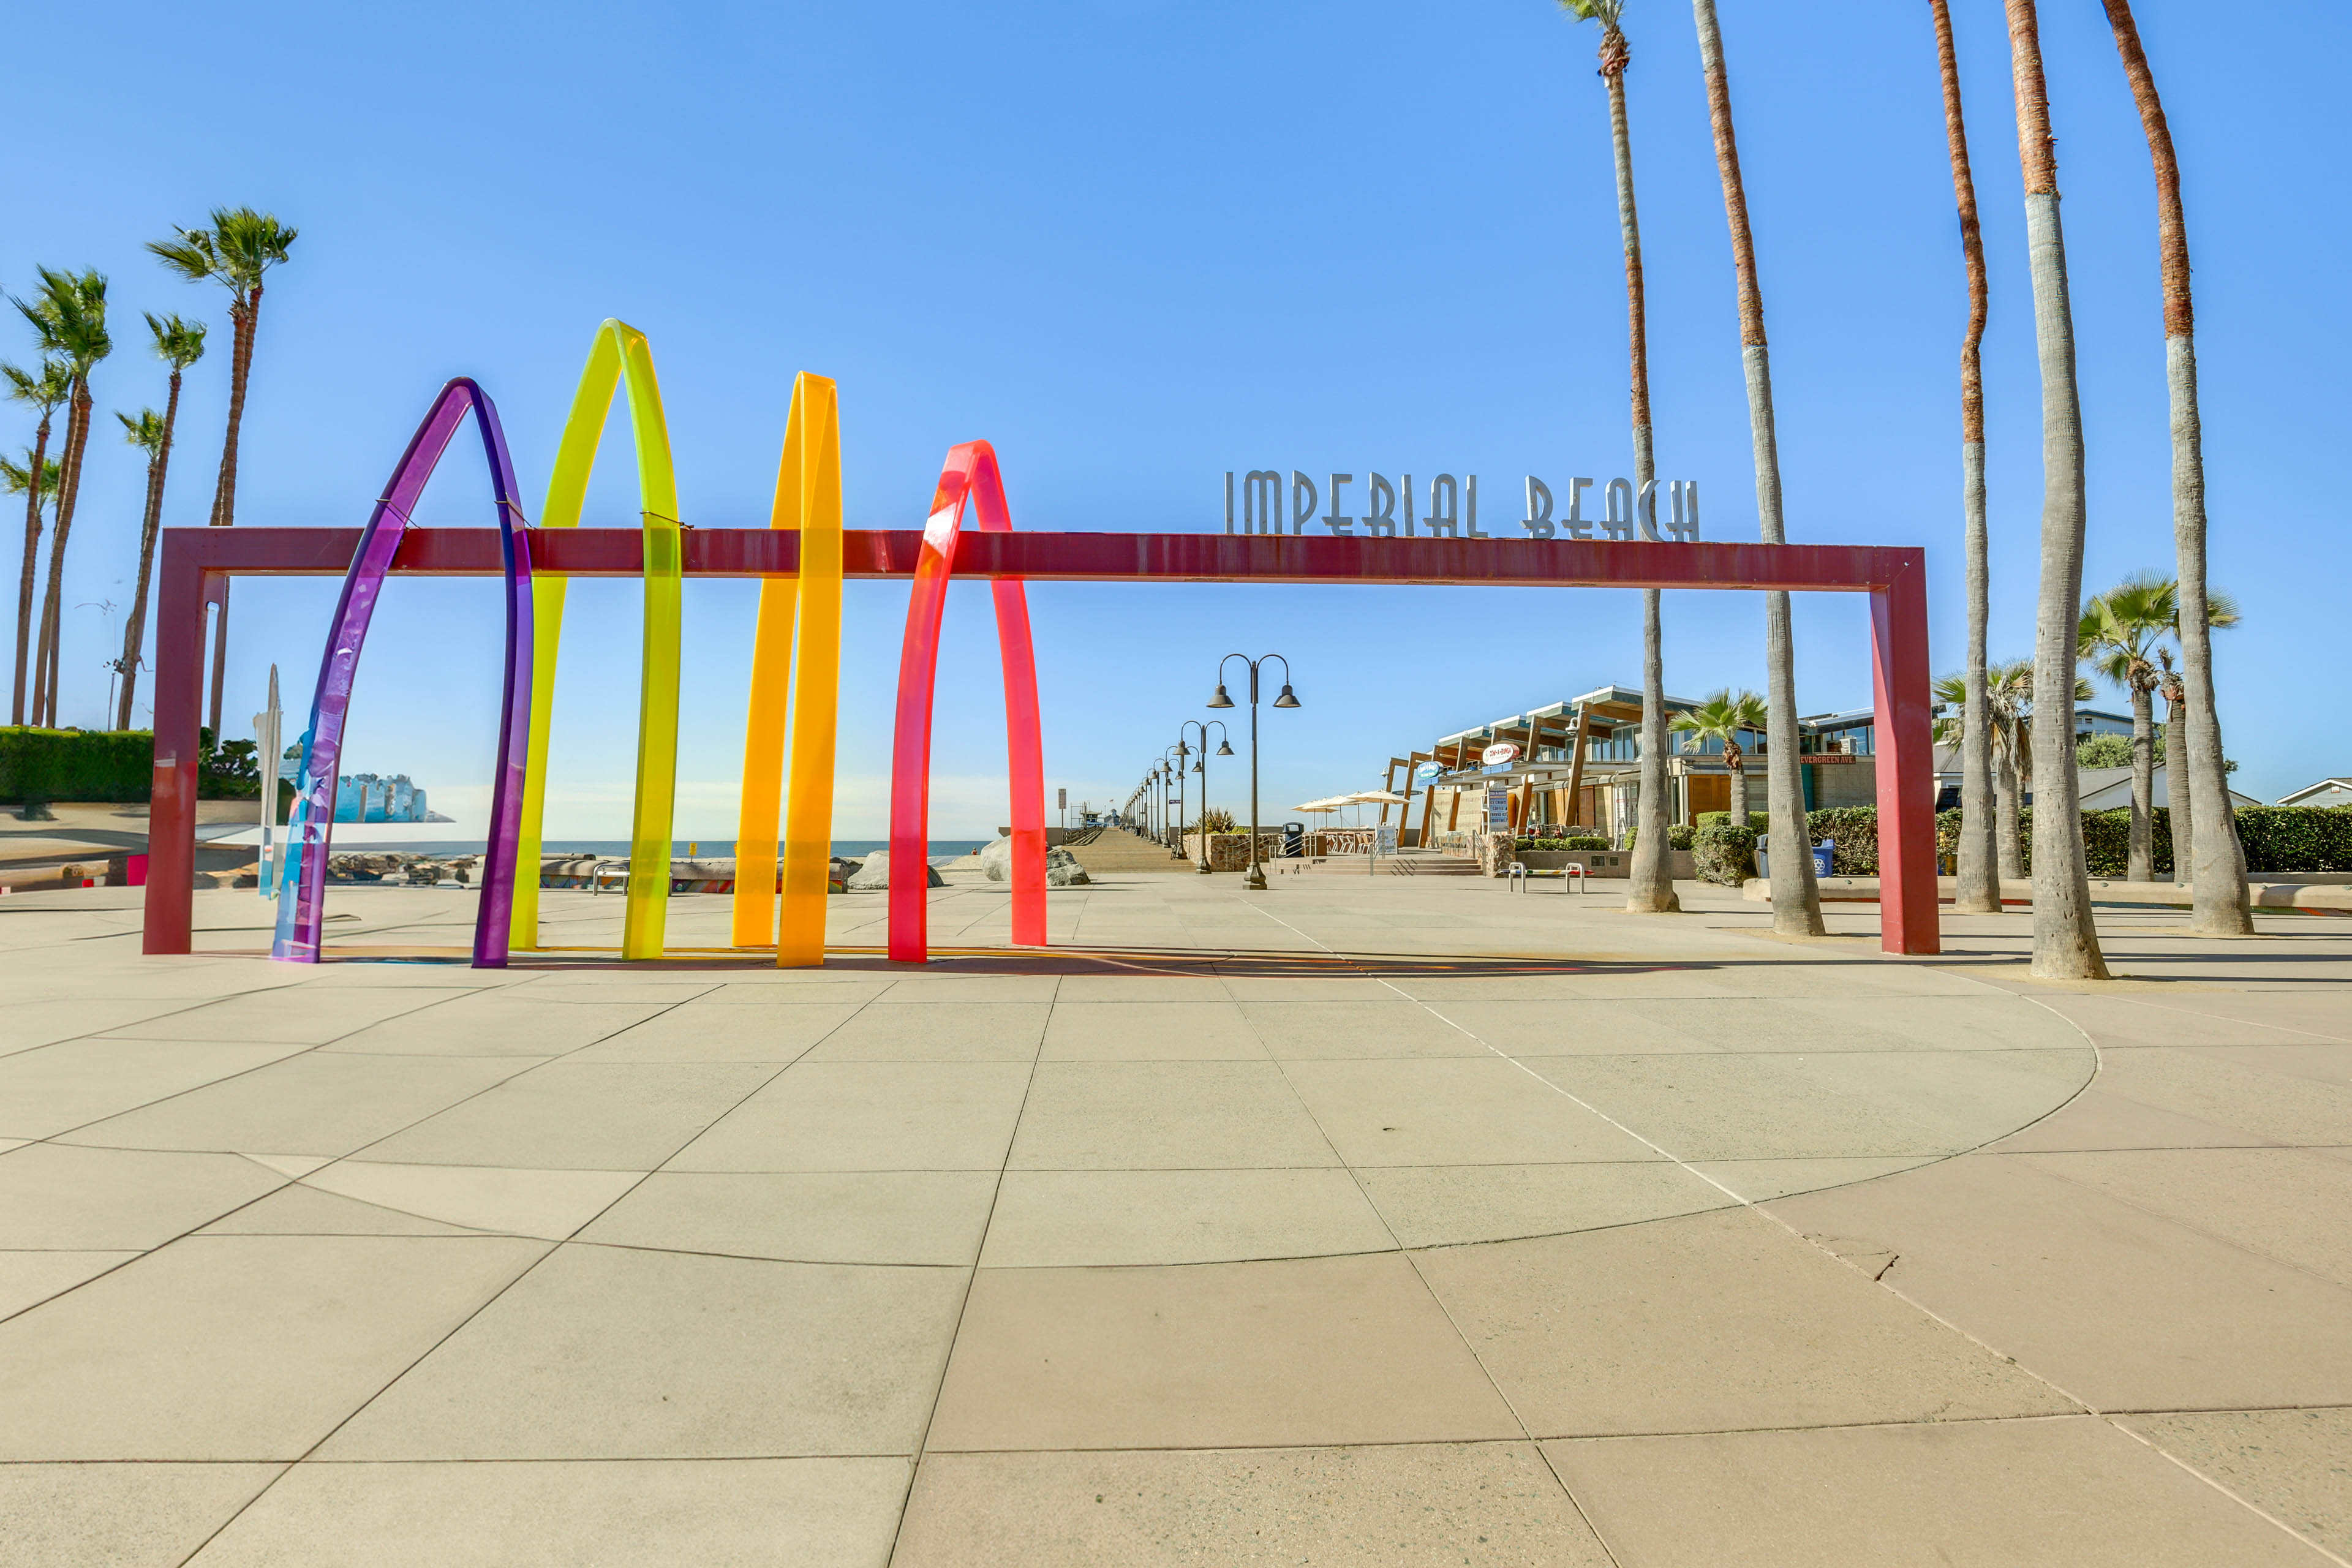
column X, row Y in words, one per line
column 1451, row 509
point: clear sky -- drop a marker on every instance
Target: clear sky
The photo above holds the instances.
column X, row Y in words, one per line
column 1136, row 244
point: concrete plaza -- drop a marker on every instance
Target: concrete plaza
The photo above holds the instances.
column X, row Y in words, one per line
column 1366, row 1220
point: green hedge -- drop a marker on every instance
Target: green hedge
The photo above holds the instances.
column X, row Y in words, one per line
column 1756, row 819
column 112, row 765
column 2278, row 839
column 1579, row 842
column 1724, row 854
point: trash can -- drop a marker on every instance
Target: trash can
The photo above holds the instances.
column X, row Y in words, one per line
column 1824, row 855
column 1294, row 840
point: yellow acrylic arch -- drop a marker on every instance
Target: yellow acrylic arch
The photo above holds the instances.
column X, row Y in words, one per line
column 808, row 499
column 619, row 351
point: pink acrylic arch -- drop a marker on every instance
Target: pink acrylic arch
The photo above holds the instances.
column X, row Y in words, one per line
column 970, row 476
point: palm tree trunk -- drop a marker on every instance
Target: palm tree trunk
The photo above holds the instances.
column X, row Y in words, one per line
column 1651, row 887
column 244, row 314
column 1796, row 897
column 2065, row 941
column 1739, row 795
column 2180, row 814
column 135, row 631
column 45, row 676
column 32, row 559
column 2140, row 861
column 2009, row 855
column 1978, row 892
column 2219, row 904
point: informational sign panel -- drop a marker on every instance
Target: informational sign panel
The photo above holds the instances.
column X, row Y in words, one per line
column 1499, row 810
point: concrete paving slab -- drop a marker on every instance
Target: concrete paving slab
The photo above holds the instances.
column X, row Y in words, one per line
column 1494, row 1505
column 235, row 1348
column 120, row 1516
column 1305, row 1352
column 52, row 1090
column 1352, row 1031
column 868, row 1116
column 298, row 1210
column 1774, row 1105
column 606, row 1116
column 946, row 1031
column 1470, row 1110
column 316, row 1103
column 1711, row 1322
column 2295, row 1465
column 1109, row 1218
column 696, row 1032
column 1150, row 1031
column 28, row 1279
column 547, row 1204
column 2127, row 1309
column 1164, row 1115
column 25, row 1025
column 2286, row 1204
column 818, row 1216
column 1586, row 1027
column 57, row 1195
column 2139, row 1020
column 2010, row 1493
column 579, row 1514
column 1447, row 1205
column 1756, row 1179
column 263, row 1016
column 2097, row 1119
column 2329, row 1062
column 604, row 1352
column 498, row 1023
column 2279, row 1108
column 2327, row 1014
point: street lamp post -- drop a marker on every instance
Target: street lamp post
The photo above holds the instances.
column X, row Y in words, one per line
column 1256, row 877
column 1225, row 749
column 1175, row 767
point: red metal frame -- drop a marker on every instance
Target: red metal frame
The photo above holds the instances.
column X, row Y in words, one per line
column 1895, row 580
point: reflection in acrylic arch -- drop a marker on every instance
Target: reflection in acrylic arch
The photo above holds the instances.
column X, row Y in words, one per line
column 310, row 829
column 971, row 477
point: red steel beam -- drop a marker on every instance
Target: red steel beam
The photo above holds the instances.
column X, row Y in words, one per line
column 194, row 559
column 1086, row 557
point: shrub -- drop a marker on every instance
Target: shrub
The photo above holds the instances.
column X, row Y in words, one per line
column 1854, row 832
column 1583, row 841
column 1724, row 854
column 1756, row 819
column 2104, row 751
column 2295, row 838
column 1216, row 819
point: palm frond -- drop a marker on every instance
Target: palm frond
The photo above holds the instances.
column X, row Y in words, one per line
column 178, row 343
column 17, row 478
column 145, row 432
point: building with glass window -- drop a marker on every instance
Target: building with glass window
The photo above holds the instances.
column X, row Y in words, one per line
column 1576, row 763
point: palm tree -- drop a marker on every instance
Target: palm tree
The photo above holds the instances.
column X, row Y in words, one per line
column 2219, row 905
column 2117, row 637
column 179, row 344
column 1978, row 892
column 68, row 315
column 1650, row 889
column 1724, row 717
column 1796, row 898
column 2220, row 613
column 52, row 385
column 2065, row 941
column 2009, row 700
column 240, row 246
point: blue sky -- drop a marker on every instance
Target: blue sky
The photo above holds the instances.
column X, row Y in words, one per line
column 1136, row 244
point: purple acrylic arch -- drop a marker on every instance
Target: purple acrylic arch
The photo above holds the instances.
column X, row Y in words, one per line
column 303, row 893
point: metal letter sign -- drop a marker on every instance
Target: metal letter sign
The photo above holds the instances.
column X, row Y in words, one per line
column 1453, row 510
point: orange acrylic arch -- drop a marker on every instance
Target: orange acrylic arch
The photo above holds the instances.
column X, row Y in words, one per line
column 969, row 477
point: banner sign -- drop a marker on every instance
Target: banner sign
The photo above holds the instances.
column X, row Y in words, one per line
column 1450, row 508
